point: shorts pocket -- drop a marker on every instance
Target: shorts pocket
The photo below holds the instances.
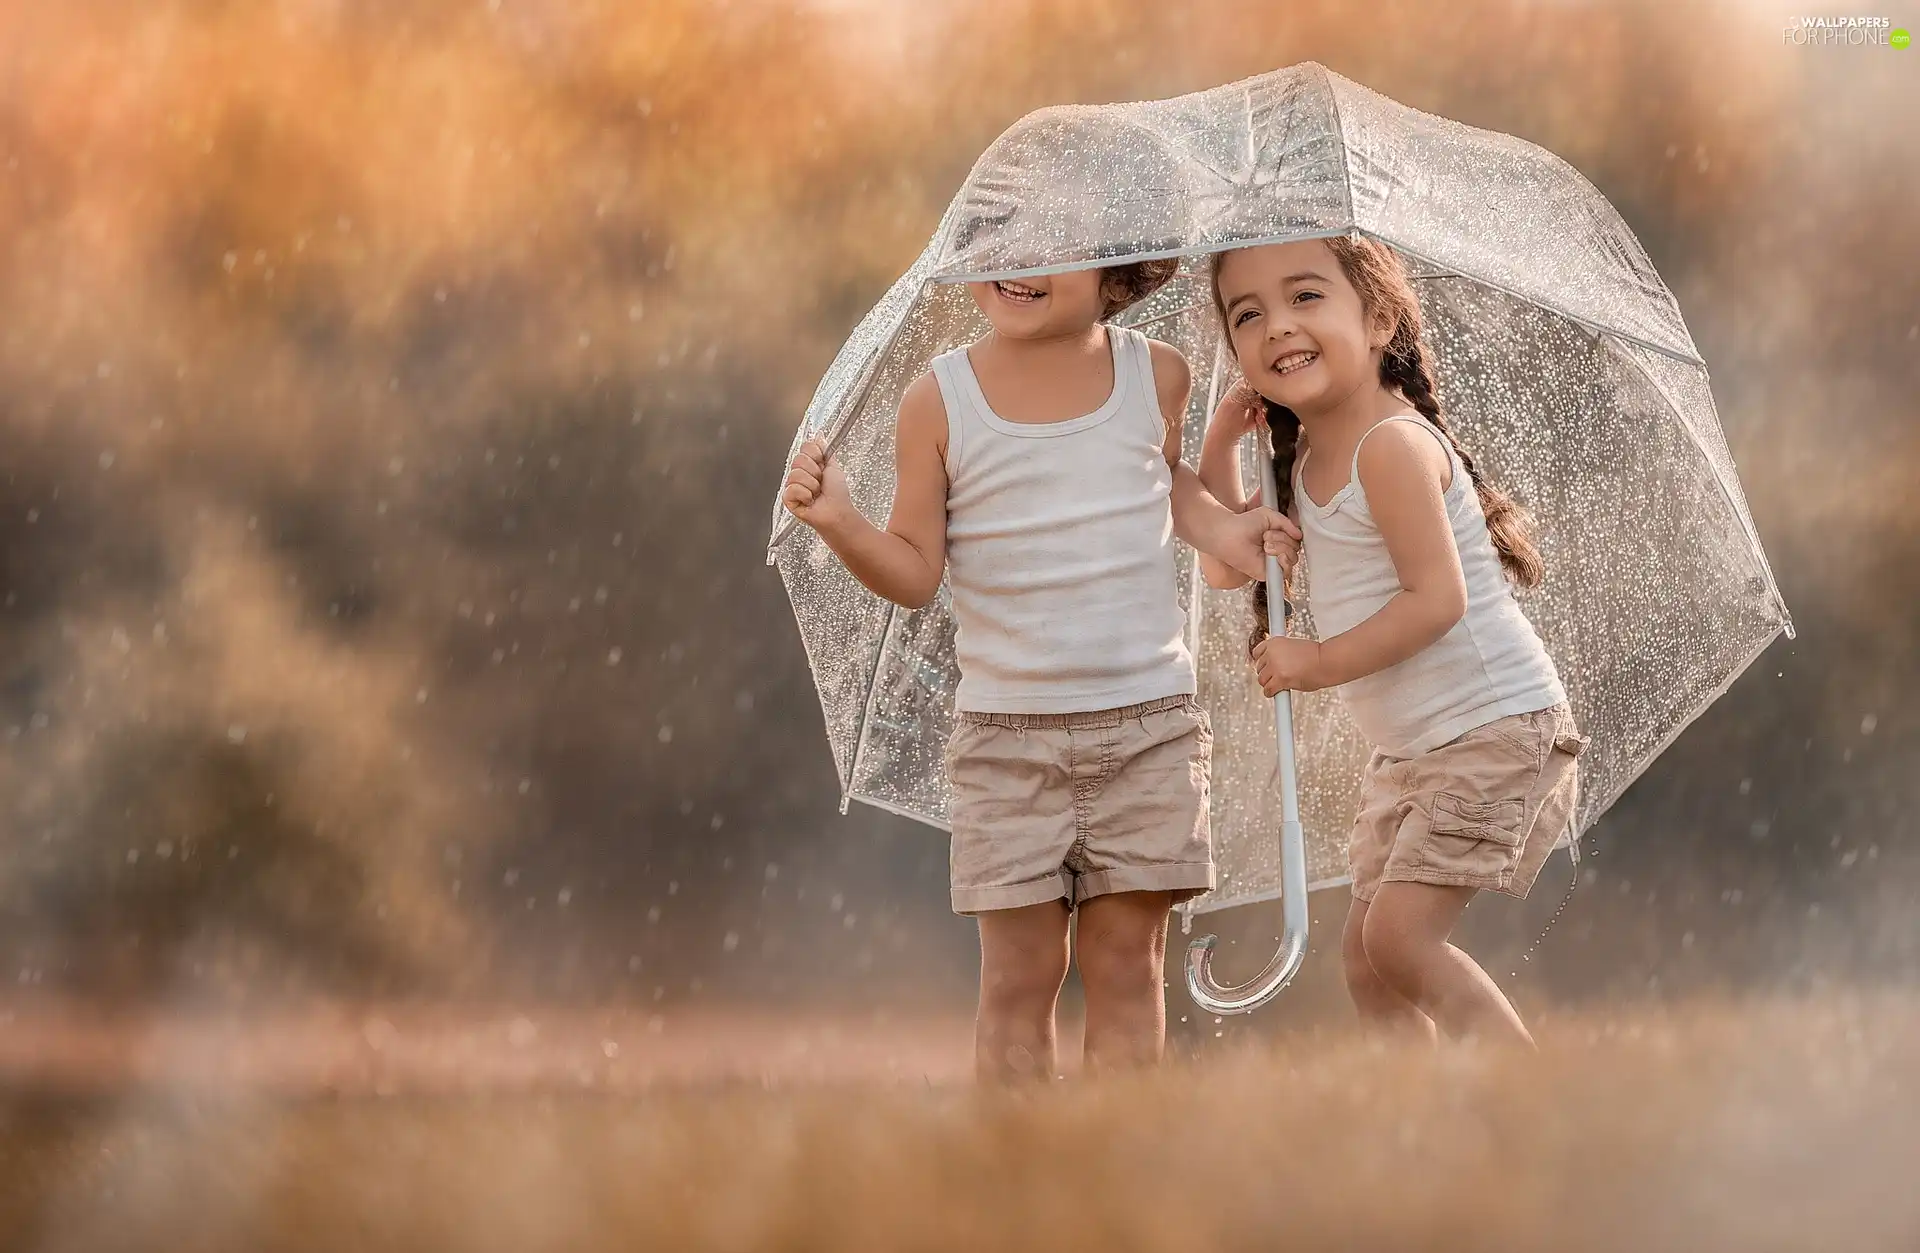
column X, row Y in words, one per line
column 1497, row 821
column 1472, row 839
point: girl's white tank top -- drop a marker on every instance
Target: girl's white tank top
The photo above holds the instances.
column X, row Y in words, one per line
column 1060, row 550
column 1489, row 665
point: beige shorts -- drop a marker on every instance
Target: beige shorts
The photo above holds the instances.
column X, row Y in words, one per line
column 1482, row 811
column 1072, row 806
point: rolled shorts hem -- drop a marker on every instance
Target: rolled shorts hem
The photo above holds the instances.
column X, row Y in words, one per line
column 1514, row 885
column 967, row 901
column 1185, row 880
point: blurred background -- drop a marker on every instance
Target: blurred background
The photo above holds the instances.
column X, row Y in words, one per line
column 392, row 395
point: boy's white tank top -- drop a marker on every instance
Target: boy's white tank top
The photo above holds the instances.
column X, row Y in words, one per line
column 1060, row 548
column 1491, row 664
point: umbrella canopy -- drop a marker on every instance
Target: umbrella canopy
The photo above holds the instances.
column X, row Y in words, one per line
column 1561, row 360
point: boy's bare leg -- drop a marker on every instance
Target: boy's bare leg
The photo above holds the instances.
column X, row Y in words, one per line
column 1122, row 947
column 1381, row 1008
column 1404, row 937
column 1023, row 962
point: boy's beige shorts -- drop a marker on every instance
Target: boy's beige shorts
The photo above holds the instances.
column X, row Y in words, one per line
column 1072, row 806
column 1481, row 811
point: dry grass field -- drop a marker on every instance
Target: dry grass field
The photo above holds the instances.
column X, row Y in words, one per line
column 1791, row 1124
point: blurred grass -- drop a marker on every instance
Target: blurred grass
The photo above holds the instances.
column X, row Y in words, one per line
column 1769, row 1125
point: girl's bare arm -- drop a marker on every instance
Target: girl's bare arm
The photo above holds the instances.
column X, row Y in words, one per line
column 1405, row 474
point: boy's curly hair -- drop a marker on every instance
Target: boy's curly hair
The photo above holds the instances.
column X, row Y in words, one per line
column 1124, row 286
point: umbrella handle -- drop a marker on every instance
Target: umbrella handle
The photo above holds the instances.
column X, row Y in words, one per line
column 1245, row 997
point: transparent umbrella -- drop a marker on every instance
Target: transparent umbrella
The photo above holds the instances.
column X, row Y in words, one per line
column 1561, row 358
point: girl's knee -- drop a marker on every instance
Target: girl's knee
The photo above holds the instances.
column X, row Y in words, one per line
column 1358, row 970
column 1391, row 951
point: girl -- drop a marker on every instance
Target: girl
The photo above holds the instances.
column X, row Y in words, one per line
column 1472, row 777
column 1043, row 464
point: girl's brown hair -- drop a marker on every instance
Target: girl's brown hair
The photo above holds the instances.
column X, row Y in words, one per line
column 1380, row 278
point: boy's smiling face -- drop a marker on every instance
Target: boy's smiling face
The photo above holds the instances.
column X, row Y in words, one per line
column 1297, row 326
column 1043, row 306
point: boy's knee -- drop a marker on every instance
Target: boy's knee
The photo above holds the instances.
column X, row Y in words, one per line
column 1122, row 960
column 1024, row 975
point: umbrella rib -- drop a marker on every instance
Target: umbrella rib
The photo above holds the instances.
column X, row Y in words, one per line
column 1443, row 271
column 1206, row 904
column 1197, row 598
column 1346, row 149
column 900, row 810
column 866, row 704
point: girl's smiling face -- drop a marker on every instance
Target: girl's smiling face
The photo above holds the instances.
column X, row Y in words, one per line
column 1301, row 334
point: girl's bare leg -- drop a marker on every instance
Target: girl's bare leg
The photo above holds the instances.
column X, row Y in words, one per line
column 1404, row 938
column 1381, row 1007
column 1023, row 962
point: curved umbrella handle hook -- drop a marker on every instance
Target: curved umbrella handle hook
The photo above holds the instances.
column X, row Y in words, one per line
column 1245, row 997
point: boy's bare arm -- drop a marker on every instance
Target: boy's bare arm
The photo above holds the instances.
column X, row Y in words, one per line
column 903, row 563
column 1232, row 418
column 1233, row 544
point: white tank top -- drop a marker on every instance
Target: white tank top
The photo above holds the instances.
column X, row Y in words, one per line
column 1060, row 548
column 1490, row 665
